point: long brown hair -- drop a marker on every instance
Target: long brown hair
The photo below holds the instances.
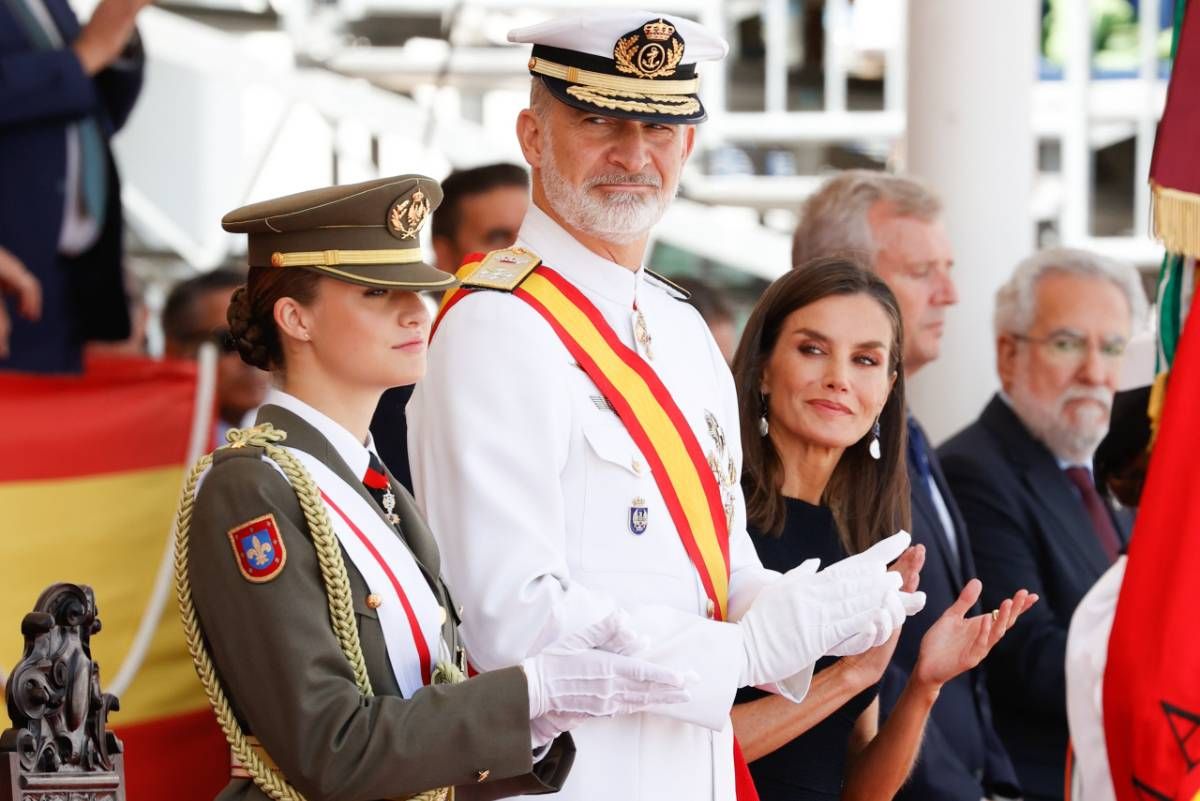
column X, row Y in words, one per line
column 868, row 497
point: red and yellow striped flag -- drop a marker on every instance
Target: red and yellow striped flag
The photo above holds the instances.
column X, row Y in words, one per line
column 90, row 472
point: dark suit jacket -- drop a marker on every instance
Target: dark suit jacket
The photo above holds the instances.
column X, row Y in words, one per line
column 962, row 758
column 291, row 686
column 41, row 93
column 1028, row 529
column 389, row 429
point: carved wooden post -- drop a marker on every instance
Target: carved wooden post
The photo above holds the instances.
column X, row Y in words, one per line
column 59, row 748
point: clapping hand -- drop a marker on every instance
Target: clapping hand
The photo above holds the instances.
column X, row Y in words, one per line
column 956, row 643
column 18, row 281
column 867, row 668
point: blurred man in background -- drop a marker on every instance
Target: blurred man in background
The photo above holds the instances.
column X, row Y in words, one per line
column 1022, row 475
column 895, row 224
column 195, row 314
column 64, row 91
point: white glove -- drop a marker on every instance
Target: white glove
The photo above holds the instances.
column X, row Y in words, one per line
column 589, row 674
column 805, row 614
column 890, row 616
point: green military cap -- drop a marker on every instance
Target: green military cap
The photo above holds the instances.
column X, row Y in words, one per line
column 363, row 233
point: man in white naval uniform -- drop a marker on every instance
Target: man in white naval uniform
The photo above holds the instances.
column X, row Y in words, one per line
column 547, row 513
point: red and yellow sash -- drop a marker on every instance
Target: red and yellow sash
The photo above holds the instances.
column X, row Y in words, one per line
column 647, row 410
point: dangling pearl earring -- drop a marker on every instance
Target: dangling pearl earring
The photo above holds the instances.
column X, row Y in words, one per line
column 763, row 426
column 873, row 448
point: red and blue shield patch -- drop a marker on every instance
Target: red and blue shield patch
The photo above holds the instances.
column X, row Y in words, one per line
column 258, row 549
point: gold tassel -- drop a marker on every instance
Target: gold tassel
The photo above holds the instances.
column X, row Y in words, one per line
column 1154, row 409
column 1176, row 219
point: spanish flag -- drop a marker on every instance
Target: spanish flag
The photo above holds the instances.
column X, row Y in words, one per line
column 90, row 472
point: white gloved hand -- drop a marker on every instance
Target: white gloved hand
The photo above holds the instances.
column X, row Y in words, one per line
column 805, row 614
column 895, row 607
column 589, row 674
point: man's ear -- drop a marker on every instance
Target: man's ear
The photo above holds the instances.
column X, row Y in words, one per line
column 689, row 143
column 1006, row 359
column 529, row 136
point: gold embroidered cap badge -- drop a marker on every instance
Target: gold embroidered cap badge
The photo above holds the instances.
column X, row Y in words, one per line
column 406, row 217
column 652, row 51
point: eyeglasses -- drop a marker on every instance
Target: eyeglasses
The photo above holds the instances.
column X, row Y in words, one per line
column 1073, row 348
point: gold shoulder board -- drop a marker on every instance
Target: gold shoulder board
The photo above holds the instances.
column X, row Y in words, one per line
column 501, row 269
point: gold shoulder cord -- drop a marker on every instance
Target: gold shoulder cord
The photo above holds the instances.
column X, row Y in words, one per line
column 337, row 590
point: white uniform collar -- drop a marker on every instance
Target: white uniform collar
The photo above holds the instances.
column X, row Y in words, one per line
column 356, row 455
column 565, row 255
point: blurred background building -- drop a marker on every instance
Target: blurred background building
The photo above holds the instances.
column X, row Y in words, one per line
column 246, row 99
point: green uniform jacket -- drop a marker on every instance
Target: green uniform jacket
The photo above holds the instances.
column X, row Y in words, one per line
column 290, row 684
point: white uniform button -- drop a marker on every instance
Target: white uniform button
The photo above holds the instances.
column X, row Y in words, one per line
column 710, row 609
column 637, row 466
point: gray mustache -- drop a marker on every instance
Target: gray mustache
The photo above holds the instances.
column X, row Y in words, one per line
column 622, row 178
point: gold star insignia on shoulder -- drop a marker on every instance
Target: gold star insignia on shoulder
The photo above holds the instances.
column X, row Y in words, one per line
column 501, row 269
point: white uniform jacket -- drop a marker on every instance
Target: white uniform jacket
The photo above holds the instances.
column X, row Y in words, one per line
column 529, row 481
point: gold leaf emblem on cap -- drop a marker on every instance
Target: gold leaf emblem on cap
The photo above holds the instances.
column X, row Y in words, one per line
column 653, row 51
column 407, row 216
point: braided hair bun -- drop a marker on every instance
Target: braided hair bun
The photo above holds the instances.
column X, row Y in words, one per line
column 251, row 339
column 251, row 312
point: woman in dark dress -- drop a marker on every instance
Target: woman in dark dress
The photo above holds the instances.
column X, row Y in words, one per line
column 822, row 415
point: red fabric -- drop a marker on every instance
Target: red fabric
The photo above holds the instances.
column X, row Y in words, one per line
column 743, row 782
column 1151, row 691
column 375, row 480
column 1175, row 164
column 41, row 409
column 183, row 758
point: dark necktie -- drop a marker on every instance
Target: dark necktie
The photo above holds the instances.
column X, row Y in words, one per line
column 918, row 458
column 376, row 482
column 1102, row 524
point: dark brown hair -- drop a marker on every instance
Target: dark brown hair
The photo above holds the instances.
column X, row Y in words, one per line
column 868, row 497
column 251, row 312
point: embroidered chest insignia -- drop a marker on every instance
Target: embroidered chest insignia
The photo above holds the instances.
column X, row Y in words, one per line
column 258, row 549
column 639, row 516
column 720, row 461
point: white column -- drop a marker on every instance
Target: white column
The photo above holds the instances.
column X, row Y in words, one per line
column 971, row 68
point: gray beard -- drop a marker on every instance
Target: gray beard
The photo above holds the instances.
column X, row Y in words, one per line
column 625, row 217
column 1073, row 444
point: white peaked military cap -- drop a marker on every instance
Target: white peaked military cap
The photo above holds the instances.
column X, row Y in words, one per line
column 631, row 64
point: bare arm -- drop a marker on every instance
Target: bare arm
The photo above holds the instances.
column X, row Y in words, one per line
column 952, row 645
column 770, row 723
column 881, row 758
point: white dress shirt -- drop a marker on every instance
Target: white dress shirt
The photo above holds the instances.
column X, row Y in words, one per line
column 528, row 480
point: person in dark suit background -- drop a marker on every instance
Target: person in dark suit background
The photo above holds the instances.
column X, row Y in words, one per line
column 482, row 209
column 64, row 91
column 1022, row 475
column 895, row 223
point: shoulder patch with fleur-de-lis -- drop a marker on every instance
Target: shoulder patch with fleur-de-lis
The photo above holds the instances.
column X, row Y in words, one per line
column 720, row 461
column 258, row 549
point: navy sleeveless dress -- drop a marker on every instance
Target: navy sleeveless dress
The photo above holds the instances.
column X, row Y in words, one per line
column 812, row 766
